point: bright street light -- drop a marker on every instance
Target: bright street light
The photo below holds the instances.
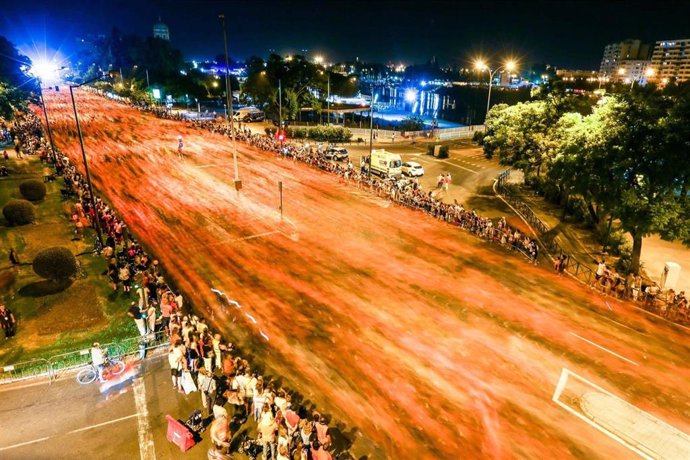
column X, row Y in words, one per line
column 44, row 69
column 481, row 66
column 410, row 95
column 621, row 71
column 318, row 59
column 649, row 72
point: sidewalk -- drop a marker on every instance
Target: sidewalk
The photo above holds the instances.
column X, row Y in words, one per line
column 80, row 422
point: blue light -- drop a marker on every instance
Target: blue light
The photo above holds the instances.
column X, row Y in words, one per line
column 410, row 95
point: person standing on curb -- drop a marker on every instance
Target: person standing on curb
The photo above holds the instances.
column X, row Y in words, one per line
column 207, row 387
column 134, row 312
column 176, row 359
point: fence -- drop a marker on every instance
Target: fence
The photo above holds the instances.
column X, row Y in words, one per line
column 657, row 303
column 547, row 238
column 55, row 366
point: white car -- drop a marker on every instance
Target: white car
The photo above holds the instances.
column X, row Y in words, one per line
column 412, row 169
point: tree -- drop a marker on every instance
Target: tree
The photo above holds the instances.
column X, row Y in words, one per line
column 15, row 84
column 411, row 123
column 55, row 264
column 520, row 134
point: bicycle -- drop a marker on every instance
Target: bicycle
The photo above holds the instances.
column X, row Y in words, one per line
column 112, row 366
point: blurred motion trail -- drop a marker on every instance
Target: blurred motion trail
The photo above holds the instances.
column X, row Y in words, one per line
column 429, row 341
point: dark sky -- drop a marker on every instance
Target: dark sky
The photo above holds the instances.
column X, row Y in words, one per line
column 568, row 34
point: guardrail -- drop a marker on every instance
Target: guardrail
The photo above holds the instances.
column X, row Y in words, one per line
column 658, row 303
column 55, row 366
column 25, row 370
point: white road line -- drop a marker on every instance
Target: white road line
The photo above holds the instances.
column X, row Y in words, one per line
column 146, row 446
column 605, row 349
column 109, row 422
column 258, row 235
column 557, row 393
column 458, row 166
column 14, row 446
column 78, row 430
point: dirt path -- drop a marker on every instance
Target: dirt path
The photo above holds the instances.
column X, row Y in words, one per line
column 431, row 343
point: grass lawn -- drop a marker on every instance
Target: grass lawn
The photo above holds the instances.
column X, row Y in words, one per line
column 50, row 322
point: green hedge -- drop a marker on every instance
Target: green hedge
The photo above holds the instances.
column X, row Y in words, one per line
column 19, row 212
column 320, row 133
column 56, row 263
column 33, row 190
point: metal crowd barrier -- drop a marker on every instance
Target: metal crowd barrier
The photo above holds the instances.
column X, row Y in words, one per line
column 25, row 370
column 53, row 367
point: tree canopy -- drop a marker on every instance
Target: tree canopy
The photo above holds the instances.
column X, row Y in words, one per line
column 15, row 84
column 628, row 158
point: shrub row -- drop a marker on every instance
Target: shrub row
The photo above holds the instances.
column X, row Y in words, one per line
column 320, row 133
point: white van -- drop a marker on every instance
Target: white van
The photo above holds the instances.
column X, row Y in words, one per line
column 248, row 115
column 384, row 164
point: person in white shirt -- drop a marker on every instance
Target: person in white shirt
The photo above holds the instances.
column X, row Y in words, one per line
column 176, row 358
column 98, row 359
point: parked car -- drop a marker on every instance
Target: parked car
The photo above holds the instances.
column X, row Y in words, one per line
column 412, row 169
column 336, row 153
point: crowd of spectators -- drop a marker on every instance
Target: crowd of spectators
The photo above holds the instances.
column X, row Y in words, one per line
column 669, row 304
column 230, row 390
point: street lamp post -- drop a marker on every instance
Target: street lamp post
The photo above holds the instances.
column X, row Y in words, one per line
column 328, row 100
column 45, row 112
column 238, row 182
column 96, row 219
column 371, row 127
column 280, row 106
column 481, row 66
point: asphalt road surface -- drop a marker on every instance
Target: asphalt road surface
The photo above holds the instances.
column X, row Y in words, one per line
column 426, row 340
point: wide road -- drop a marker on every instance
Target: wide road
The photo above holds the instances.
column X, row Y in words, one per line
column 428, row 341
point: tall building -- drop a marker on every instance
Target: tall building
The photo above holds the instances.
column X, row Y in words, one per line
column 160, row 30
column 671, row 60
column 616, row 55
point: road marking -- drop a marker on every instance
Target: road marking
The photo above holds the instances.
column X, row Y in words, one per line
column 258, row 235
column 21, row 444
column 146, row 446
column 78, row 430
column 605, row 349
column 109, row 422
column 557, row 393
column 458, row 166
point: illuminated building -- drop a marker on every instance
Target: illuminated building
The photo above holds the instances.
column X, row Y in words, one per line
column 161, row 30
column 671, row 60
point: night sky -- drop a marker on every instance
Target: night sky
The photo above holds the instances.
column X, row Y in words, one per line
column 569, row 34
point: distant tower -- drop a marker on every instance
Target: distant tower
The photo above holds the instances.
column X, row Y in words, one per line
column 161, row 30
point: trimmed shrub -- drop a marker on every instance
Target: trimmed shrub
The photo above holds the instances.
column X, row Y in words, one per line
column 19, row 212
column 33, row 190
column 478, row 137
column 430, row 149
column 320, row 133
column 55, row 264
column 443, row 152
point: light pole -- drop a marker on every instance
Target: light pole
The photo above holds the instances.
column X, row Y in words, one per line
column 238, row 182
column 96, row 219
column 280, row 106
column 45, row 112
column 328, row 100
column 371, row 127
column 482, row 66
